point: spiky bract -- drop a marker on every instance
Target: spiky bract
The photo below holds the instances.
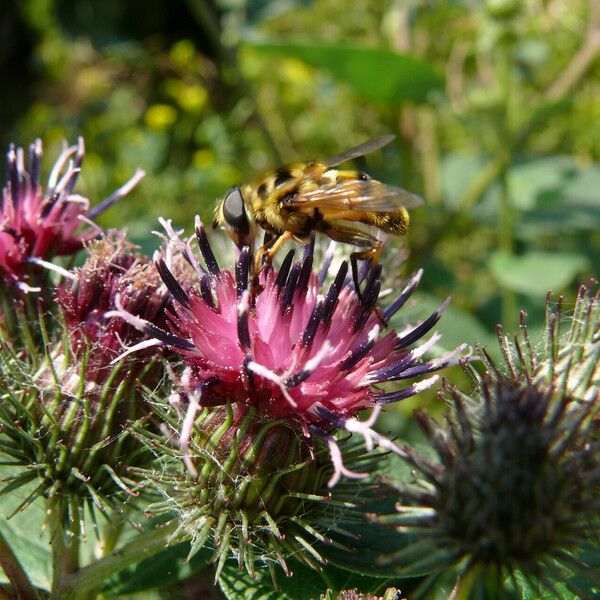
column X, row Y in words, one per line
column 260, row 494
column 66, row 407
column 515, row 490
column 568, row 358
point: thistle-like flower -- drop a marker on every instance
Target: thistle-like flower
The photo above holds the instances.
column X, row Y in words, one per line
column 514, row 496
column 113, row 272
column 65, row 409
column 36, row 225
column 298, row 350
column 269, row 378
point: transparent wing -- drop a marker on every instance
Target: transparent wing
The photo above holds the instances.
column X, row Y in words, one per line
column 359, row 150
column 357, row 195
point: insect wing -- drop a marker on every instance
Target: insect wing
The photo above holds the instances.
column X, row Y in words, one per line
column 356, row 195
column 360, row 150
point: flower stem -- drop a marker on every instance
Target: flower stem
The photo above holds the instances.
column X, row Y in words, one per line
column 75, row 585
column 14, row 572
column 64, row 542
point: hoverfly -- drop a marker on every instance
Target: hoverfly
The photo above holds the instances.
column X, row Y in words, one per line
column 299, row 198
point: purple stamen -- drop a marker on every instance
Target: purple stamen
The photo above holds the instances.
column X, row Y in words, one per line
column 206, row 290
column 420, row 330
column 13, row 173
column 243, row 328
column 327, row 259
column 333, row 294
column 415, row 388
column 290, row 287
column 313, row 324
column 307, row 262
column 370, row 295
column 399, row 302
column 35, row 156
column 359, row 351
column 172, row 285
column 206, row 250
column 284, row 269
column 167, row 338
column 392, row 371
column 242, row 272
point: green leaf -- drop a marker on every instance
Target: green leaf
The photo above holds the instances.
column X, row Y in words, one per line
column 528, row 591
column 361, row 554
column 26, row 535
column 160, row 570
column 553, row 193
column 378, row 74
column 304, row 584
column 536, row 273
column 587, row 578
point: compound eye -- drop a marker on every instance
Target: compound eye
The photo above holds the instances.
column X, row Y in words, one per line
column 234, row 212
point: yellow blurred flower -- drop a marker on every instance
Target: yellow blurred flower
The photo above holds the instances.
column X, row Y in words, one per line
column 160, row 116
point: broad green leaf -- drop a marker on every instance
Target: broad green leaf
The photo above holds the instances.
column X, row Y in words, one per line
column 588, row 579
column 304, row 584
column 26, row 535
column 362, row 553
column 541, row 181
column 536, row 273
column 378, row 74
column 162, row 569
column 553, row 193
column 527, row 590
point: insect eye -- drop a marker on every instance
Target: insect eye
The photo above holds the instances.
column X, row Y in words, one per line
column 234, row 212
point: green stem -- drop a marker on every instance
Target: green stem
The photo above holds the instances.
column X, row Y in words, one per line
column 91, row 577
column 111, row 536
column 484, row 179
column 15, row 573
column 64, row 542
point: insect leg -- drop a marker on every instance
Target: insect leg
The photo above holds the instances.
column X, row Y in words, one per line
column 267, row 252
column 342, row 232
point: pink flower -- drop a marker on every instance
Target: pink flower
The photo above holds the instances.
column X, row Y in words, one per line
column 36, row 225
column 112, row 271
column 300, row 350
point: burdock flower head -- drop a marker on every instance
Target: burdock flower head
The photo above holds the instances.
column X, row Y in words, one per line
column 513, row 500
column 113, row 272
column 70, row 406
column 270, row 375
column 38, row 224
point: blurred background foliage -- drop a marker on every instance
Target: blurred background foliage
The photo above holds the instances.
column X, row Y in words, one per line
column 496, row 108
